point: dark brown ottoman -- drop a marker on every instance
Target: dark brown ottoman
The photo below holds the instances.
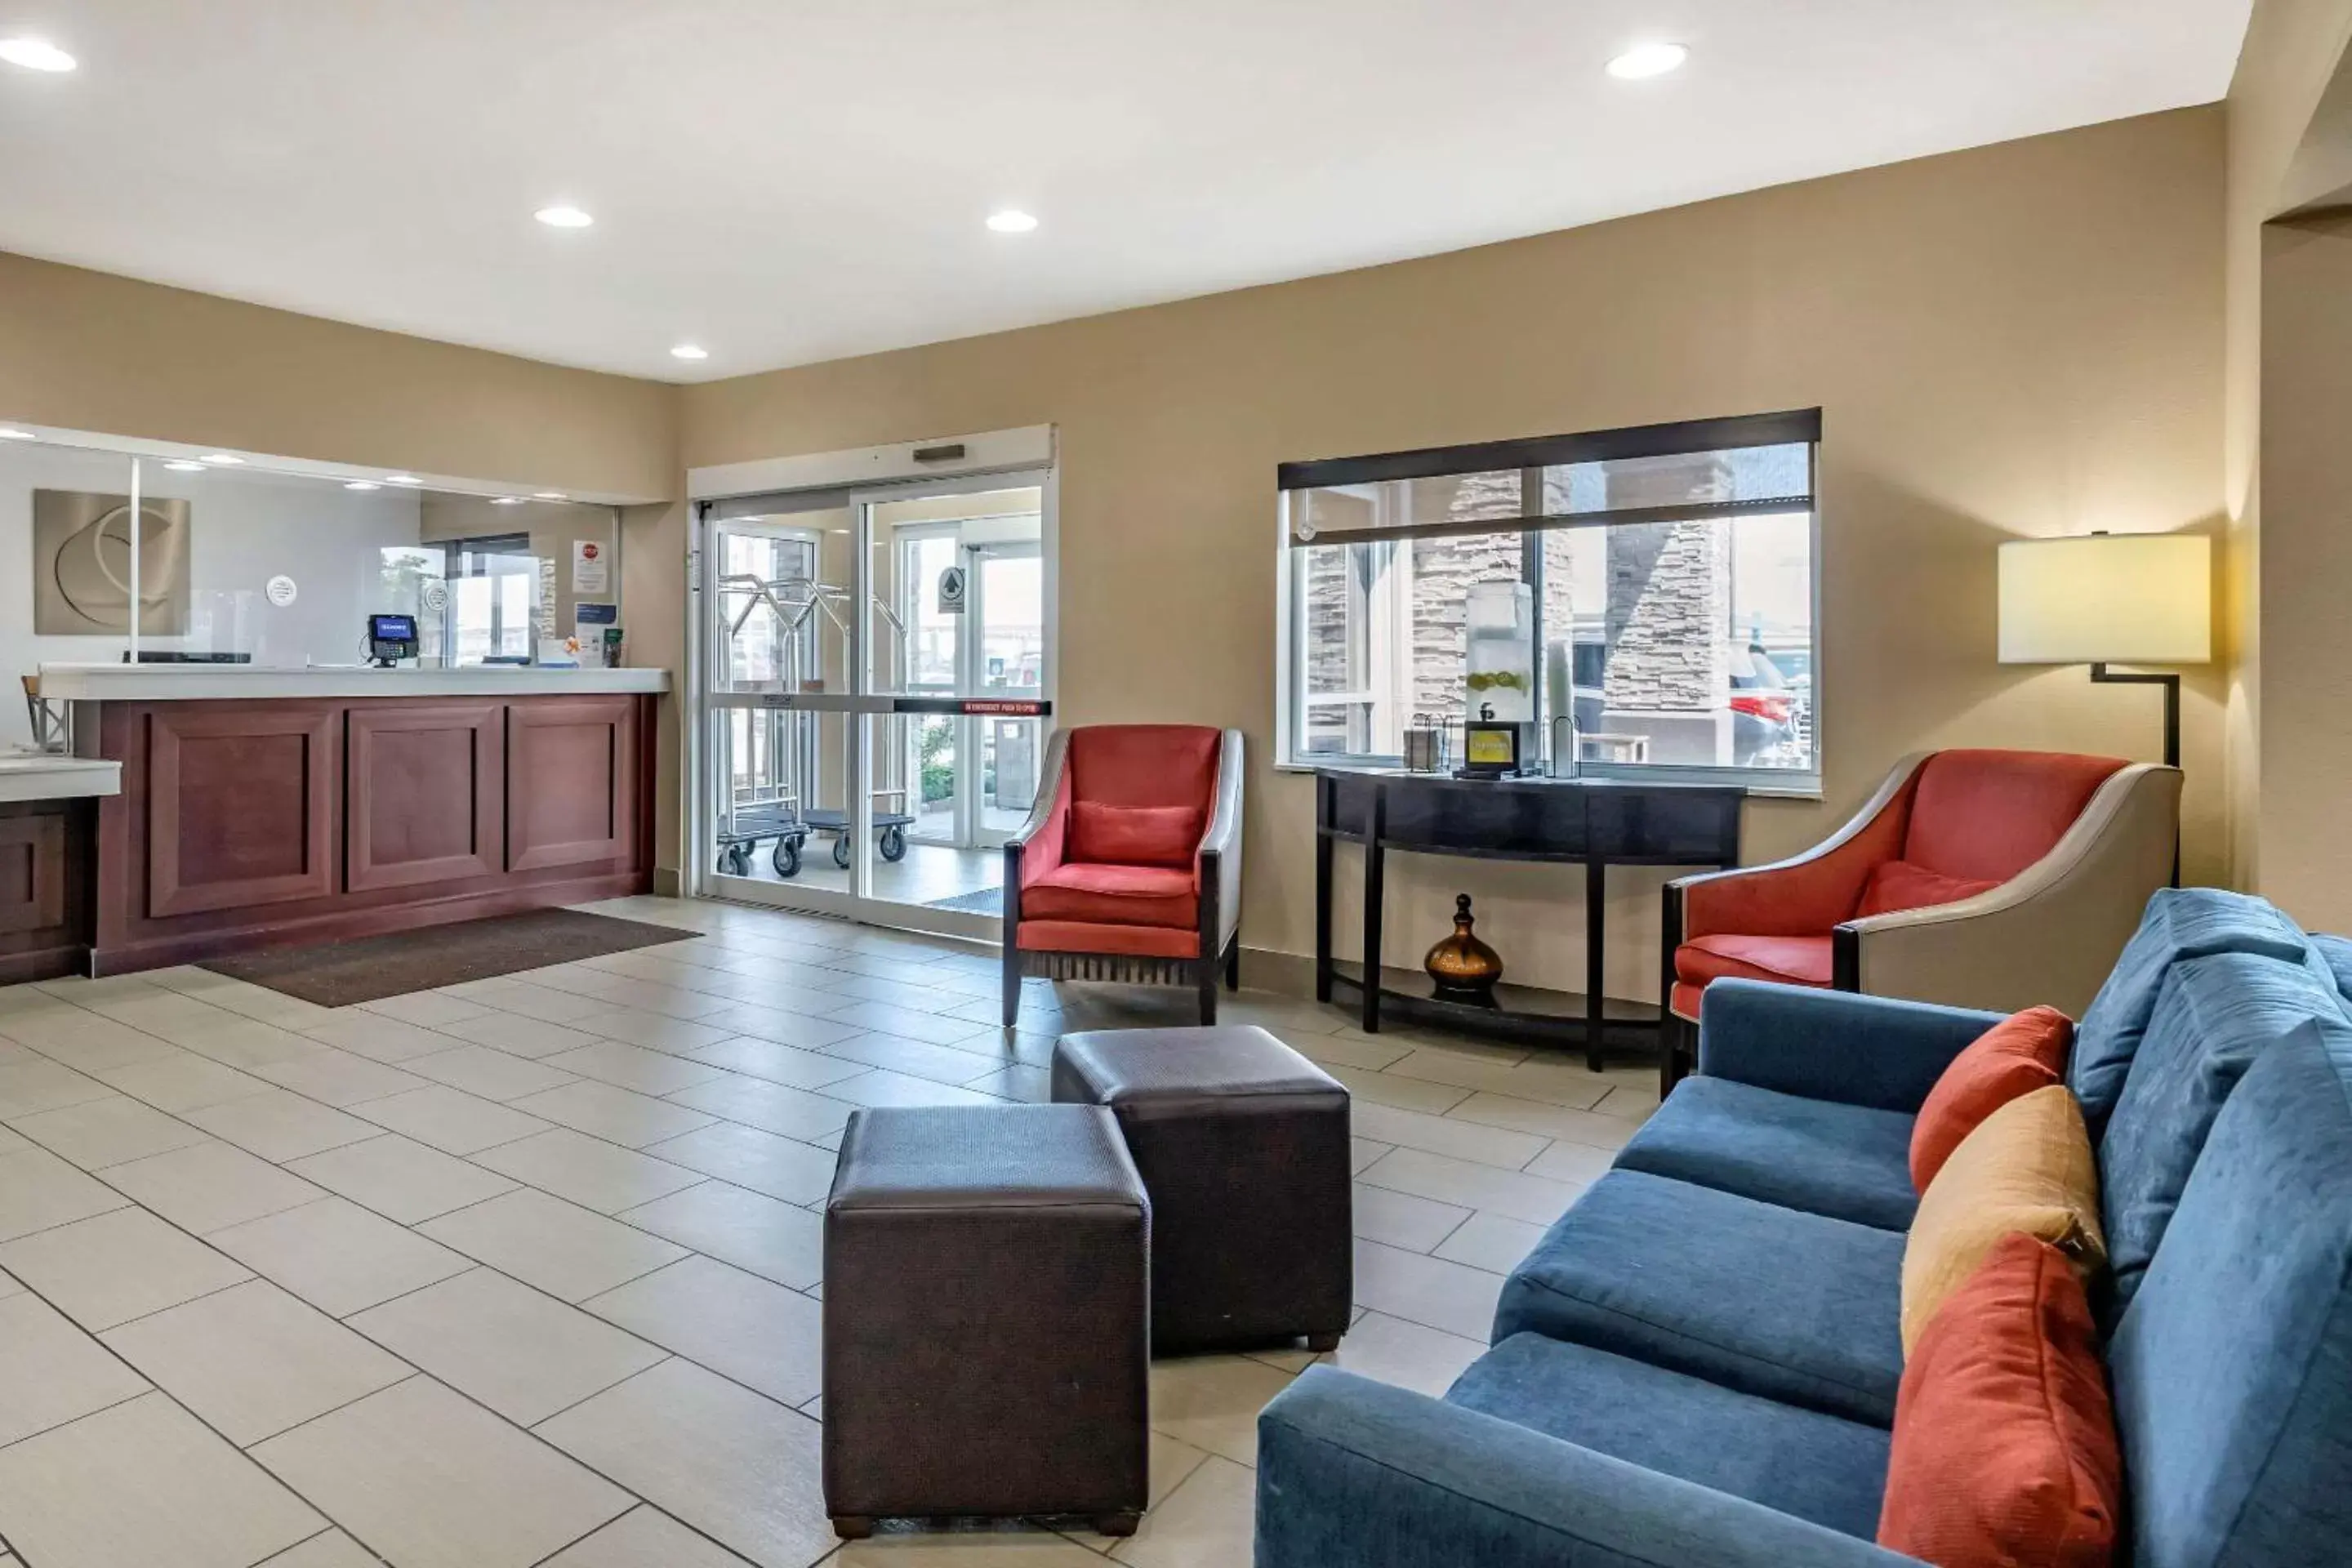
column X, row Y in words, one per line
column 986, row 1328
column 1242, row 1145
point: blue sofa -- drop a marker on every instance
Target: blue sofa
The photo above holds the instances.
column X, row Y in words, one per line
column 1698, row 1364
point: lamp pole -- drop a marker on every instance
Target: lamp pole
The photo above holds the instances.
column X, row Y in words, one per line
column 2171, row 684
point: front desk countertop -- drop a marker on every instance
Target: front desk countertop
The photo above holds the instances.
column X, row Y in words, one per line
column 40, row 776
column 214, row 682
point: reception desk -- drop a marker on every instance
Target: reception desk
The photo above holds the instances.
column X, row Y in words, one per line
column 47, row 813
column 260, row 806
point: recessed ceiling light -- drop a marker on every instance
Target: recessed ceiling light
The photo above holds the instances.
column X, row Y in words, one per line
column 690, row 351
column 506, row 501
column 563, row 215
column 9, row 435
column 221, row 459
column 362, row 485
column 184, row 466
column 401, row 479
column 1647, row 60
column 35, row 55
column 1011, row 220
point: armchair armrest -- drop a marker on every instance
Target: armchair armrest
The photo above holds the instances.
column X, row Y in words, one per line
column 2048, row 935
column 1220, row 855
column 1358, row 1474
column 1805, row 894
column 1038, row 844
column 1873, row 1051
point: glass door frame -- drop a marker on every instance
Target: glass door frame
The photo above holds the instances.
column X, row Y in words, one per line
column 972, row 807
column 907, row 541
column 861, row 707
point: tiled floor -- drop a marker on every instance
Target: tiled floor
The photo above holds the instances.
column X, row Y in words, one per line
column 529, row 1271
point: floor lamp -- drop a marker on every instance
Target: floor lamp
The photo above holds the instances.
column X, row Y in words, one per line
column 2103, row 599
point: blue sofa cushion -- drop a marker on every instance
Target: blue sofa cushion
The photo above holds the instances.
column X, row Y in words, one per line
column 2178, row 923
column 2336, row 953
column 1816, row 1466
column 1770, row 1300
column 1358, row 1474
column 2232, row 1366
column 2213, row 1016
column 1847, row 1161
column 1873, row 1051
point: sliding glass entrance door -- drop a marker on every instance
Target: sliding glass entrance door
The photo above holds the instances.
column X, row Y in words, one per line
column 875, row 697
column 974, row 615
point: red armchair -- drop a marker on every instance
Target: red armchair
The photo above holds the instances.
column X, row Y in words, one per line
column 1981, row 878
column 1130, row 867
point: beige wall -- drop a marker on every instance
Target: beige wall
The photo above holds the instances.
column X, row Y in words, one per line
column 2288, row 743
column 2304, row 744
column 86, row 351
column 2022, row 339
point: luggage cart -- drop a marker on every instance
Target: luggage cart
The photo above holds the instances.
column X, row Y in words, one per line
column 778, row 811
column 889, row 832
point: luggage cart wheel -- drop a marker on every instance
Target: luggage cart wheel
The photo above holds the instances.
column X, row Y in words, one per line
column 841, row 851
column 894, row 844
column 786, row 857
column 734, row 860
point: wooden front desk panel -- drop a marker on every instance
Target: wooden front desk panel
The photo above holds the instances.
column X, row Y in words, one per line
column 427, row 784
column 44, row 889
column 247, row 823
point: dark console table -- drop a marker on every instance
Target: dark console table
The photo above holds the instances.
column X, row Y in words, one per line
column 1592, row 823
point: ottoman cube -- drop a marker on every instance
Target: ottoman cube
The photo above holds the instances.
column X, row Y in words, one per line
column 986, row 1317
column 1242, row 1145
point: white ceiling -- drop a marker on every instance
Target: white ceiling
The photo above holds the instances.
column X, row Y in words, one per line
column 785, row 181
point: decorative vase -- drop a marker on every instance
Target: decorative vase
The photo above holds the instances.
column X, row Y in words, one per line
column 1462, row 968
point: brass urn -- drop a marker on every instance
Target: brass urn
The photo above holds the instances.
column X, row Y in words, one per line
column 1462, row 968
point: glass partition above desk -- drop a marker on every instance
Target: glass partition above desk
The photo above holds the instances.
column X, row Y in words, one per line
column 235, row 559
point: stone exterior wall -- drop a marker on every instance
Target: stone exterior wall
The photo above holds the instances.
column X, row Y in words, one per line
column 1668, row 601
column 1669, row 596
column 1443, row 571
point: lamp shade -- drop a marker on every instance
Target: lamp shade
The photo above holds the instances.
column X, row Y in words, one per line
column 2107, row 598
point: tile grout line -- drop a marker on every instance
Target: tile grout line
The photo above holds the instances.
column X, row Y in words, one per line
column 149, row 1387
column 181, row 1406
column 154, row 1387
column 330, row 1529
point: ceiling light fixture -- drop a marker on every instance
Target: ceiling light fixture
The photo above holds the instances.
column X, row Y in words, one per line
column 221, row 459
column 12, row 435
column 1011, row 220
column 35, row 55
column 362, row 485
column 506, row 501
column 1645, row 60
column 401, row 479
column 564, row 215
column 690, row 351
column 184, row 466
column 548, row 495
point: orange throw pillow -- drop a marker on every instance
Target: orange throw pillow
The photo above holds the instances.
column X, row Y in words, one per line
column 1135, row 835
column 2005, row 1448
column 2024, row 1052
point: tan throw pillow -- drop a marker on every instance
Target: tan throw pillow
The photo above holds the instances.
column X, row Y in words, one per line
column 2027, row 1167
